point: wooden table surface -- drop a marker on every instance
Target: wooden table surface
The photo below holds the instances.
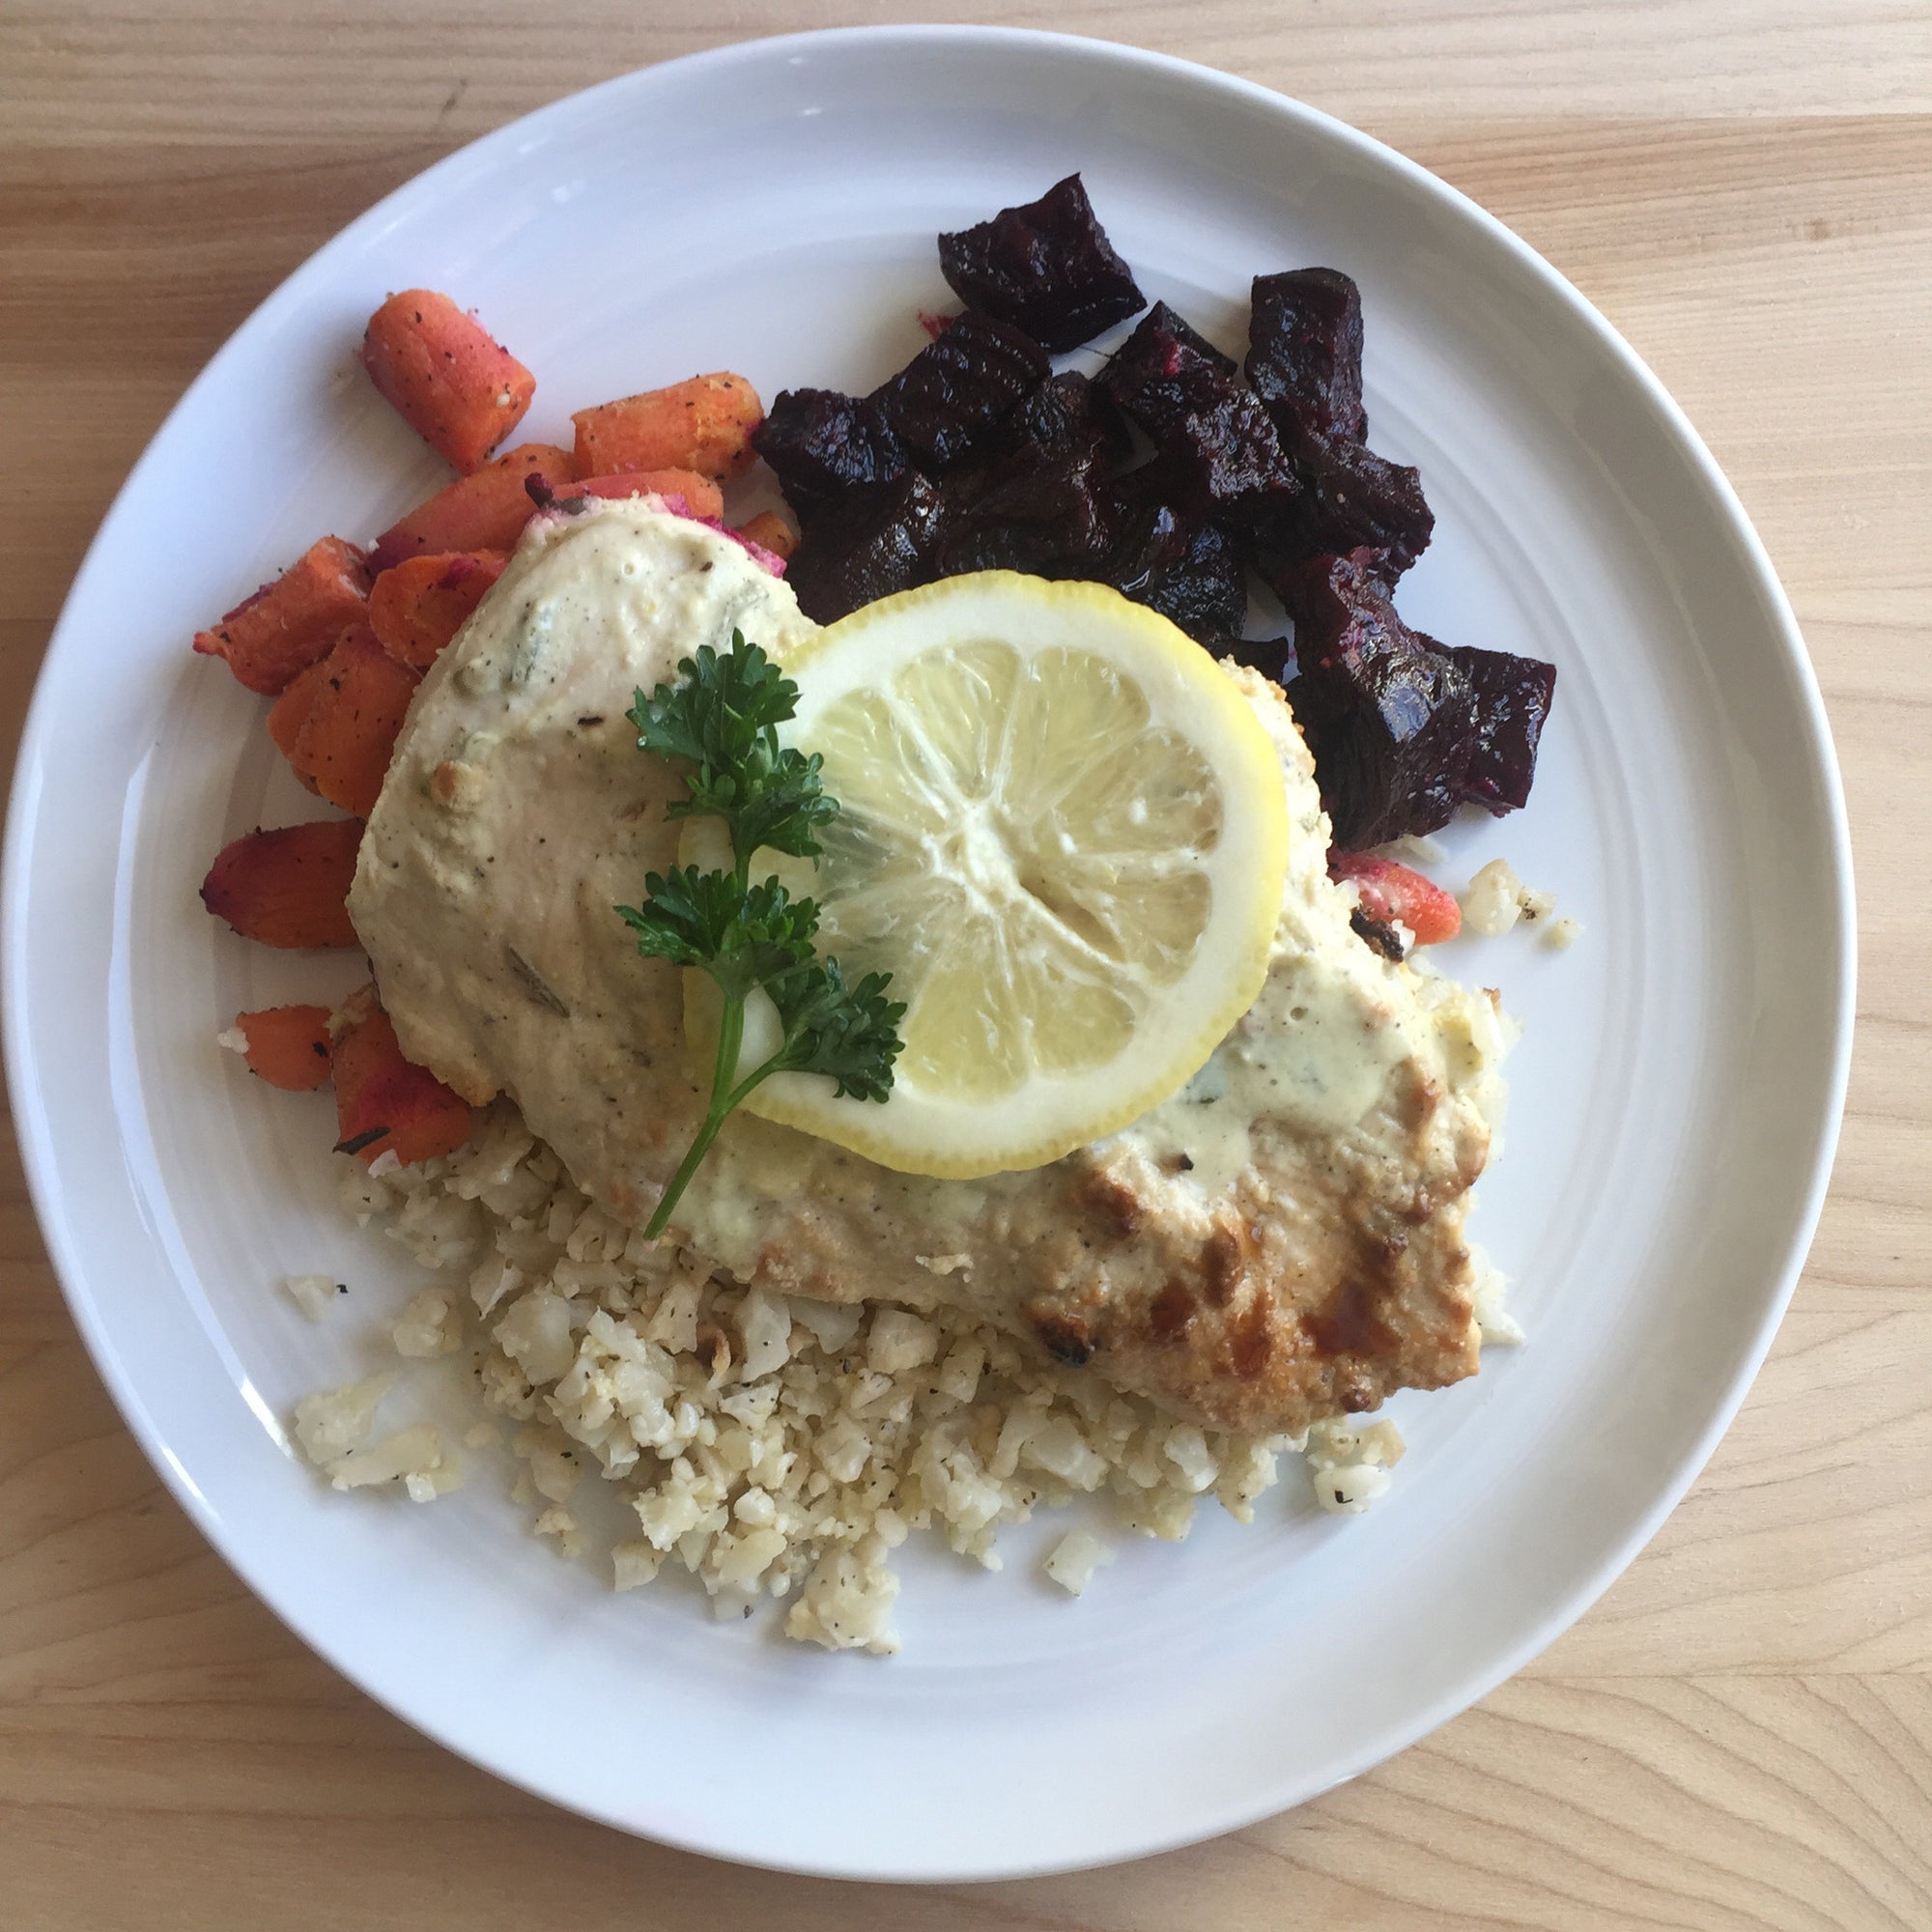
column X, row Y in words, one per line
column 1740, row 1735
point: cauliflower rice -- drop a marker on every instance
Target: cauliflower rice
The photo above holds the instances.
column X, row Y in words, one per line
column 776, row 1448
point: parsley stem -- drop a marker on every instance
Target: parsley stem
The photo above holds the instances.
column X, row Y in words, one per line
column 724, row 1098
column 731, row 1038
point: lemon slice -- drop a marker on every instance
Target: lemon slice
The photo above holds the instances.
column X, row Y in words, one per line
column 1063, row 832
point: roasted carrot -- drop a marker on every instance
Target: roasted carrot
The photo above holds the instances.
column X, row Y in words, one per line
column 460, row 391
column 287, row 886
column 703, row 424
column 288, row 711
column 385, row 1103
column 769, row 530
column 486, row 511
column 417, row 607
column 288, row 1046
column 345, row 741
column 268, row 637
column 699, row 495
column 1391, row 891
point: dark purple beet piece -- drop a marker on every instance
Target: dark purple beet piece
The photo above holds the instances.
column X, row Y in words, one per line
column 1031, row 500
column 1391, row 721
column 1047, row 267
column 822, row 443
column 1067, row 417
column 1305, row 364
column 1513, row 697
column 1188, row 571
column 1350, row 501
column 1305, row 350
column 957, row 388
column 1215, row 442
column 1196, row 345
column 868, row 544
column 1354, row 498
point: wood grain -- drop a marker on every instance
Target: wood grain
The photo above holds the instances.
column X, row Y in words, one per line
column 1740, row 1735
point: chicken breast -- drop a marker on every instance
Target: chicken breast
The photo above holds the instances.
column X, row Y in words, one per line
column 1282, row 1240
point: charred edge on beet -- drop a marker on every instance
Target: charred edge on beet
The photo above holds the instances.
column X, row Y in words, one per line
column 1046, row 267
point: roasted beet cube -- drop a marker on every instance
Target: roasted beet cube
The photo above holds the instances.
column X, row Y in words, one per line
column 1305, row 362
column 1032, row 496
column 1390, row 720
column 1305, row 350
column 822, row 443
column 957, row 388
column 1067, row 417
column 1071, row 544
column 1187, row 570
column 1350, row 501
column 1044, row 516
column 1204, row 590
column 868, row 544
column 1047, row 267
column 1165, row 366
column 1215, row 441
column 1513, row 697
column 1353, row 499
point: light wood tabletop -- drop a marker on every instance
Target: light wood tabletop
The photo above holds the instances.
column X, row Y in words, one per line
column 1740, row 1734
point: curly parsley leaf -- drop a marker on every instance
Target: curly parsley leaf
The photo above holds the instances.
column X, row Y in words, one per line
column 849, row 1032
column 721, row 718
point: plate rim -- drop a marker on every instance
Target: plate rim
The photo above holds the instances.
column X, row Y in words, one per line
column 929, row 41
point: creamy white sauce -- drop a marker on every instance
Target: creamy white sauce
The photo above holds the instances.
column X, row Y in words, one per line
column 1314, row 1051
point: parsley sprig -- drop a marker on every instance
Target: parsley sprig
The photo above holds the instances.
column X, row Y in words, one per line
column 721, row 719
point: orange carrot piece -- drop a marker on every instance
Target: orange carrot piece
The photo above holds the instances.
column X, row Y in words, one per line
column 384, row 1102
column 1391, row 891
column 287, row 886
column 699, row 495
column 268, row 637
column 345, row 742
column 462, row 392
column 486, row 511
column 417, row 607
column 703, row 424
column 288, row 1046
column 288, row 712
column 770, row 531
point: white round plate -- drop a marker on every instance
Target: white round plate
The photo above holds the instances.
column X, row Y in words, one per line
column 771, row 208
